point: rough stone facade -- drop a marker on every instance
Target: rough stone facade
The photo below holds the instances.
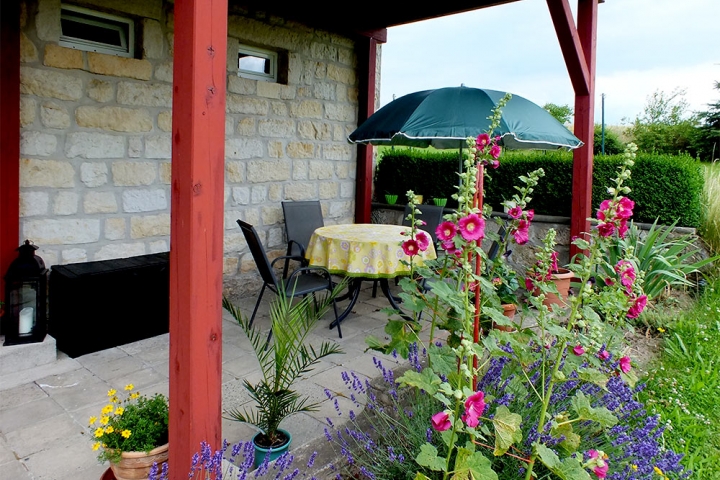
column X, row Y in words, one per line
column 96, row 145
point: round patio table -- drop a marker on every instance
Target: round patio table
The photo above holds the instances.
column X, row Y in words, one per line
column 364, row 251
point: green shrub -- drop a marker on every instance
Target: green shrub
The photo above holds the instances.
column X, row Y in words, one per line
column 664, row 187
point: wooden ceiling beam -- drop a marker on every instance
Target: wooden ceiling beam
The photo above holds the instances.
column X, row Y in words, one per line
column 570, row 45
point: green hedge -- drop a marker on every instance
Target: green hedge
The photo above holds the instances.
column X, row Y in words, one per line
column 667, row 187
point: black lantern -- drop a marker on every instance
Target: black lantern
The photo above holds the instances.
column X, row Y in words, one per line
column 26, row 298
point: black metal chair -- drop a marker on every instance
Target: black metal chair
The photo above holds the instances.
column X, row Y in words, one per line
column 301, row 220
column 302, row 281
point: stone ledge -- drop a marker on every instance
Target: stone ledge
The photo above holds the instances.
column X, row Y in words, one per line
column 17, row 358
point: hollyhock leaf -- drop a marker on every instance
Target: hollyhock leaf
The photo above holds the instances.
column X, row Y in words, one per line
column 630, row 378
column 507, row 429
column 548, row 457
column 572, row 439
column 420, row 476
column 593, row 375
column 428, row 457
column 581, row 243
column 471, row 464
column 568, row 469
column 426, row 380
column 601, row 415
column 443, row 359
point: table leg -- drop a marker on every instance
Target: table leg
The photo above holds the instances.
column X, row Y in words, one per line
column 394, row 301
column 353, row 293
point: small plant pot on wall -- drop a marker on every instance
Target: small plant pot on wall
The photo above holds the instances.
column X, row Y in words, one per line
column 272, row 452
column 561, row 279
column 509, row 310
column 418, row 199
column 391, row 199
column 440, row 202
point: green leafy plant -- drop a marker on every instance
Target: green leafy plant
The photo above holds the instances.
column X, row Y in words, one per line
column 136, row 423
column 283, row 361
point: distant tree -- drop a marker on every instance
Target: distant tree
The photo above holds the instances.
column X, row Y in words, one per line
column 563, row 113
column 665, row 126
column 613, row 145
column 707, row 138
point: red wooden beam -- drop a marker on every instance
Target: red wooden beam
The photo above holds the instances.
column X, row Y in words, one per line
column 9, row 136
column 367, row 66
column 571, row 45
column 196, row 234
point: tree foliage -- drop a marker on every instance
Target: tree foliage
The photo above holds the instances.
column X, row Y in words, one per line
column 563, row 113
column 665, row 127
column 613, row 145
column 707, row 138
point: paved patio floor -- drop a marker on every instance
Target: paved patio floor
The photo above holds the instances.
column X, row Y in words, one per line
column 44, row 410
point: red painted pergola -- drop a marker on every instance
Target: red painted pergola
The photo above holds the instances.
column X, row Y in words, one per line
column 196, row 248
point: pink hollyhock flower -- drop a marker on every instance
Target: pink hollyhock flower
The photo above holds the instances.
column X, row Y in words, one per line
column 495, row 151
column 578, row 350
column 530, row 214
column 446, row 231
column 450, row 248
column 515, row 212
column 474, row 407
column 624, row 208
column 604, row 355
column 626, row 271
column 593, row 453
column 522, row 233
column 622, row 228
column 423, row 240
column 554, row 265
column 625, row 364
column 529, row 285
column 410, row 247
column 472, row 227
column 440, row 421
column 482, row 140
column 606, row 229
column 601, row 472
column 495, row 164
column 637, row 307
column 603, row 208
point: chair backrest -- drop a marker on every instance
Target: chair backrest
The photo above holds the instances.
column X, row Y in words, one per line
column 258, row 253
column 301, row 220
column 432, row 215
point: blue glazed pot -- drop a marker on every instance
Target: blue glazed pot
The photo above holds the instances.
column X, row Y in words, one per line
column 262, row 452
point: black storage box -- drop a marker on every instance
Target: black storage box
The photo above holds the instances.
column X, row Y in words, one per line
column 99, row 305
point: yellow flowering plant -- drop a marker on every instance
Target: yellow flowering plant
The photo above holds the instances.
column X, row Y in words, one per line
column 135, row 423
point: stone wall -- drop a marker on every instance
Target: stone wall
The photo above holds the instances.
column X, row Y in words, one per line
column 96, row 145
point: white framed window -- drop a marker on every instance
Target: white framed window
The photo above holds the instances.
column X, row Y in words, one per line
column 257, row 63
column 85, row 29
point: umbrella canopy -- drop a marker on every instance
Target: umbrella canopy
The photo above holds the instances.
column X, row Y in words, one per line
column 445, row 117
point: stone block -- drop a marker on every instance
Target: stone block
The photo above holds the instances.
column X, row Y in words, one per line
column 119, row 66
column 114, row 228
column 234, row 242
column 47, row 20
column 341, row 74
column 344, row 170
column 276, row 127
column 164, row 121
column 46, row 173
column 158, row 146
column 240, row 85
column 50, row 83
column 233, row 45
column 131, row 174
column 246, row 127
column 158, row 246
column 150, row 226
column 61, row 57
column 100, row 90
column 320, row 170
column 323, row 51
column 229, row 125
column 328, row 190
column 66, row 203
column 235, row 172
column 341, row 209
column 268, row 89
column 275, row 149
column 33, row 203
column 120, row 250
column 94, row 174
column 259, row 171
column 347, row 190
column 340, row 112
column 241, row 195
column 100, row 202
column 346, row 56
column 272, row 215
column 300, row 170
column 247, row 105
column 230, row 265
column 300, row 191
column 275, row 191
column 139, row 8
column 37, row 143
column 258, row 194
column 306, row 109
column 300, row 150
column 74, row 255
column 152, row 39
column 135, row 201
column 145, row 94
column 28, row 51
column 314, row 130
column 135, row 147
column 115, row 119
column 324, row 91
column 279, row 109
column 165, row 174
column 243, row 148
column 94, row 145
column 62, row 231
column 54, row 115
column 164, row 72
column 27, row 111
column 338, row 152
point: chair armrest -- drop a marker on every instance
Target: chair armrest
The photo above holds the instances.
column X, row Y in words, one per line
column 299, row 245
column 286, row 257
column 315, row 269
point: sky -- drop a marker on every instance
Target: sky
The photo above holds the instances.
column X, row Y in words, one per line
column 643, row 46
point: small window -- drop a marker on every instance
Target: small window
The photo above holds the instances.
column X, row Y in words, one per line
column 85, row 29
column 257, row 63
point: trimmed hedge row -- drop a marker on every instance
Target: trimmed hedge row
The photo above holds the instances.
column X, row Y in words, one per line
column 664, row 187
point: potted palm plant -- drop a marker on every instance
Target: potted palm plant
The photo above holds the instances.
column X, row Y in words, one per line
column 283, row 360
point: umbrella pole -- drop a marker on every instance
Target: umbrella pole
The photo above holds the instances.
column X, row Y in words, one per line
column 477, row 203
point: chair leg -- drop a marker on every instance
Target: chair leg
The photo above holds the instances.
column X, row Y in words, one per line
column 257, row 304
column 336, row 318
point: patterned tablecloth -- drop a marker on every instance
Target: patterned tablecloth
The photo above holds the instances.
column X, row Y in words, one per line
column 362, row 250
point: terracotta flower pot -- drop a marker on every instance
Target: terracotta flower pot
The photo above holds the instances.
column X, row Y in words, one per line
column 137, row 465
column 561, row 279
column 509, row 310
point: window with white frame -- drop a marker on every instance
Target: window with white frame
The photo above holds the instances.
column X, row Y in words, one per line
column 85, row 29
column 257, row 63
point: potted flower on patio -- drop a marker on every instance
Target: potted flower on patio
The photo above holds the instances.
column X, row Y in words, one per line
column 131, row 433
column 284, row 356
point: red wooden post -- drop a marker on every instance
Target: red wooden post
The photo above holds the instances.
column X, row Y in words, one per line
column 196, row 235
column 9, row 135
column 367, row 66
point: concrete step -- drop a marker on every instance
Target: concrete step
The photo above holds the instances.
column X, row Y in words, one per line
column 17, row 358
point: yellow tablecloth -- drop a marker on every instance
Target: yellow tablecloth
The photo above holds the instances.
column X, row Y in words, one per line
column 363, row 250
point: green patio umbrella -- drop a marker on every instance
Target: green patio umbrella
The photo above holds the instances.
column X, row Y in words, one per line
column 445, row 117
